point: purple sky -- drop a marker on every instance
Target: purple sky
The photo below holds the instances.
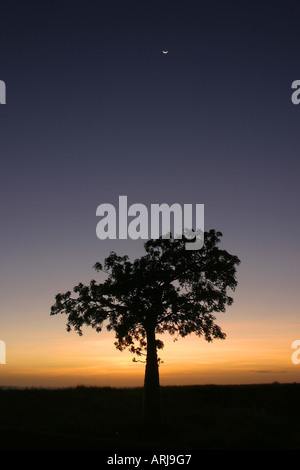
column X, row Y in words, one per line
column 95, row 110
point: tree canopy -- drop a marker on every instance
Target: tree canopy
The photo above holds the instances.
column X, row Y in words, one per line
column 169, row 289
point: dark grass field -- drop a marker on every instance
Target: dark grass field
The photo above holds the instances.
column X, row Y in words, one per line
column 211, row 417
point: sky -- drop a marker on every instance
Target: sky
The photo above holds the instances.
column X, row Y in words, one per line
column 95, row 110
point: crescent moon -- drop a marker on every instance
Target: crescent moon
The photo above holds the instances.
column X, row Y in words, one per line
column 165, row 52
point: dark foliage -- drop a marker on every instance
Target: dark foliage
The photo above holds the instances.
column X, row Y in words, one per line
column 169, row 289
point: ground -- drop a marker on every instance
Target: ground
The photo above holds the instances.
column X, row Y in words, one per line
column 208, row 417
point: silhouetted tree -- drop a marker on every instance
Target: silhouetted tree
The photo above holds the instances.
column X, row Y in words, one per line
column 168, row 289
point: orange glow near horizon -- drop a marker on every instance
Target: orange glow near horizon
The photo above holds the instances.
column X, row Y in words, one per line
column 249, row 354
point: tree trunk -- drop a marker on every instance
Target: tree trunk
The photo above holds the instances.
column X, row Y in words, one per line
column 152, row 398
